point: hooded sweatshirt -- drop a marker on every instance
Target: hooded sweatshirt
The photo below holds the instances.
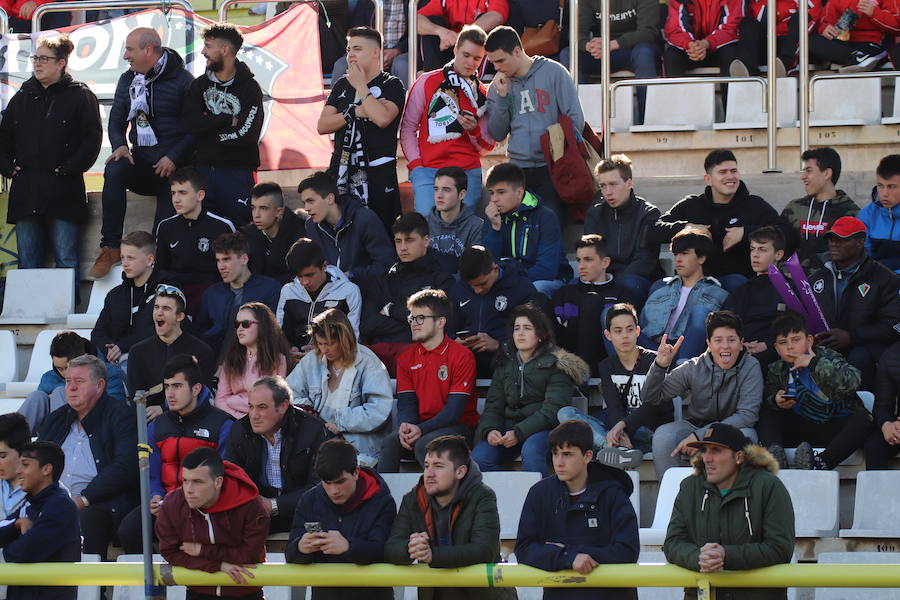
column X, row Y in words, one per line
column 625, row 230
column 358, row 244
column 448, row 240
column 601, row 522
column 232, row 530
column 754, row 521
column 209, row 110
column 731, row 396
column 882, row 232
column 810, row 220
column 296, row 308
column 532, row 103
column 267, row 256
column 631, row 22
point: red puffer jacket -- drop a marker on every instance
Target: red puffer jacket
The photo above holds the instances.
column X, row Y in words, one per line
column 885, row 19
column 786, row 9
column 715, row 21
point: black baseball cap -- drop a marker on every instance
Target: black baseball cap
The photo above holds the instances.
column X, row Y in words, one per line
column 720, row 434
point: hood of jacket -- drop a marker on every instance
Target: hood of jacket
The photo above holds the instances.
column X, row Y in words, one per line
column 437, row 224
column 241, row 74
column 237, row 489
column 601, row 476
column 33, row 86
column 424, row 264
column 337, row 288
column 349, row 204
column 569, row 364
column 756, row 457
column 882, row 211
column 174, row 63
column 472, row 479
column 369, row 485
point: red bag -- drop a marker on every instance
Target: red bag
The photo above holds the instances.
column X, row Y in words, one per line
column 571, row 164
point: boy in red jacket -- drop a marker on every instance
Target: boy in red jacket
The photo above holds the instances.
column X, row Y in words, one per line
column 752, row 30
column 878, row 22
column 701, row 33
column 214, row 522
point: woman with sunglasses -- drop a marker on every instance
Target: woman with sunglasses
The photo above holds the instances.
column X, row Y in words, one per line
column 345, row 384
column 255, row 349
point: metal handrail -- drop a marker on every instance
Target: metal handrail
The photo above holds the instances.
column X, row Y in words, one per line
column 826, row 76
column 771, row 103
column 606, row 90
column 803, row 75
column 689, row 80
column 87, row 5
column 573, row 40
column 4, row 22
column 412, row 42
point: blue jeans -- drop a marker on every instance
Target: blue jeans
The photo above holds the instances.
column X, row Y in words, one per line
column 694, row 334
column 731, row 281
column 640, row 440
column 642, row 59
column 548, row 286
column 422, row 179
column 534, row 453
column 32, row 238
column 638, row 286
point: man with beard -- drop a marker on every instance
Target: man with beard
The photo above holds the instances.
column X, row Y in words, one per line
column 224, row 110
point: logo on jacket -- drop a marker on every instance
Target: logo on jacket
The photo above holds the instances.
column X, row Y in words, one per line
column 203, row 244
column 501, row 303
column 864, row 289
column 331, row 303
column 201, row 433
column 819, row 285
column 221, row 102
column 443, row 372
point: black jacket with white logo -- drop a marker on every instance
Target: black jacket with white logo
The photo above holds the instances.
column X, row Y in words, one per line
column 184, row 247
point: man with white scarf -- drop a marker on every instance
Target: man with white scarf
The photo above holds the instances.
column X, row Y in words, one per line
column 149, row 97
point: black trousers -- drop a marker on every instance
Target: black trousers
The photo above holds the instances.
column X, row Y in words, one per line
column 384, row 193
column 130, row 534
column 840, row 436
column 752, row 43
column 392, row 451
column 98, row 526
column 676, row 62
column 431, row 56
column 878, row 451
column 836, row 51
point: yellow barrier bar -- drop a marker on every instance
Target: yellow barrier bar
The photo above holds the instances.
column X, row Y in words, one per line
column 499, row 575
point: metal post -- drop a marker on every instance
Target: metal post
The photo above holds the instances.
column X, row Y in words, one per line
column 605, row 76
column 573, row 40
column 379, row 25
column 151, row 590
column 772, row 89
column 803, row 77
column 412, row 40
column 42, row 10
column 4, row 22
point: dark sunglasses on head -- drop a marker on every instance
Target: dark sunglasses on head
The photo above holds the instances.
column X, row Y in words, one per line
column 245, row 324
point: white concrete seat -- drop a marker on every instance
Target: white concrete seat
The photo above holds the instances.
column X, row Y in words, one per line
column 895, row 115
column 592, row 104
column 864, row 558
column 853, row 460
column 400, row 484
column 876, row 512
column 655, row 535
column 39, row 363
column 8, row 405
column 846, row 102
column 38, row 296
column 867, row 399
column 679, row 107
column 636, row 492
column 744, row 108
column 700, row 71
column 99, row 289
column 9, row 361
column 657, row 593
column 89, row 592
column 511, row 488
column 814, row 495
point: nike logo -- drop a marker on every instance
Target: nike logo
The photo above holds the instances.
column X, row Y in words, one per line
column 461, row 304
column 388, row 190
column 173, row 244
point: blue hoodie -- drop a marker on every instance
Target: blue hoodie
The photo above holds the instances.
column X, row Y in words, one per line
column 601, row 523
column 213, row 321
column 882, row 232
column 487, row 313
column 115, row 382
column 530, row 235
column 359, row 245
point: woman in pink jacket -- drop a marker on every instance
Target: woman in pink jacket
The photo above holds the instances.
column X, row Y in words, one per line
column 257, row 348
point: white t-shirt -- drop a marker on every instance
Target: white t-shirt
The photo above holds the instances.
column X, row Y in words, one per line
column 673, row 318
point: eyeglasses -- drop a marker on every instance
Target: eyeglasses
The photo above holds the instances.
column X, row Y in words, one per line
column 165, row 289
column 420, row 319
column 245, row 324
column 37, row 58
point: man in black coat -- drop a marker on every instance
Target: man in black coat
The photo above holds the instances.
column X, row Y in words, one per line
column 354, row 509
column 276, row 445
column 99, row 437
column 272, row 232
column 49, row 136
column 148, row 99
column 884, row 442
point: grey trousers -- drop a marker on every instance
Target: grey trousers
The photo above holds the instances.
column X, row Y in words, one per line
column 667, row 436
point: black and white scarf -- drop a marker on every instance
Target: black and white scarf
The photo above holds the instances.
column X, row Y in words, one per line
column 455, row 95
column 140, row 106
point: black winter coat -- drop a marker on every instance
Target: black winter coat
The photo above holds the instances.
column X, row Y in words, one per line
column 53, row 135
column 166, row 96
column 887, row 387
column 111, row 427
column 267, row 257
column 302, row 434
column 118, row 323
column 626, row 231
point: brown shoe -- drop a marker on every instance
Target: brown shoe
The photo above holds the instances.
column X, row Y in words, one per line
column 108, row 257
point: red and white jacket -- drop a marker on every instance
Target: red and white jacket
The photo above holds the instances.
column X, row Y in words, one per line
column 786, row 9
column 459, row 13
column 715, row 21
column 884, row 20
column 463, row 152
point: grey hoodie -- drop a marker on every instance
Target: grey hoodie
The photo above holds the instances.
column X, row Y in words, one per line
column 448, row 240
column 296, row 309
column 732, row 396
column 533, row 103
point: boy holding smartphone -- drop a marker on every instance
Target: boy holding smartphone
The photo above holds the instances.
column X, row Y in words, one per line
column 810, row 398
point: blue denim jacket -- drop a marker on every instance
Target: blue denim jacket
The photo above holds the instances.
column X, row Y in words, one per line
column 707, row 295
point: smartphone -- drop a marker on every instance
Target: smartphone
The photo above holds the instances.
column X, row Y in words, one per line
column 313, row 527
column 789, row 396
column 463, row 334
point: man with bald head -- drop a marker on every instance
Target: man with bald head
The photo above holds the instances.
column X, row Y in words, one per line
column 149, row 97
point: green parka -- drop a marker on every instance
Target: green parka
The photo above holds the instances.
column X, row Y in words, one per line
column 474, row 530
column 526, row 397
column 754, row 522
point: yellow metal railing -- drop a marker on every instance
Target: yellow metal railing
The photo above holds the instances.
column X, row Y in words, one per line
column 490, row 575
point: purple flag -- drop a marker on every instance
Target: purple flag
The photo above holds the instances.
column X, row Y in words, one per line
column 784, row 289
column 815, row 318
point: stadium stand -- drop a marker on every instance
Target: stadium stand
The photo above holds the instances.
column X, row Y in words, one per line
column 876, row 512
column 655, row 535
column 22, row 306
column 99, row 289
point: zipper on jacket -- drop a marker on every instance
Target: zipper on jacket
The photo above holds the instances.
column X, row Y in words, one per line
column 512, row 238
column 747, row 515
column 703, row 504
column 525, row 242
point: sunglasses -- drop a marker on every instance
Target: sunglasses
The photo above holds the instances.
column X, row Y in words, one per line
column 165, row 289
column 245, row 324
